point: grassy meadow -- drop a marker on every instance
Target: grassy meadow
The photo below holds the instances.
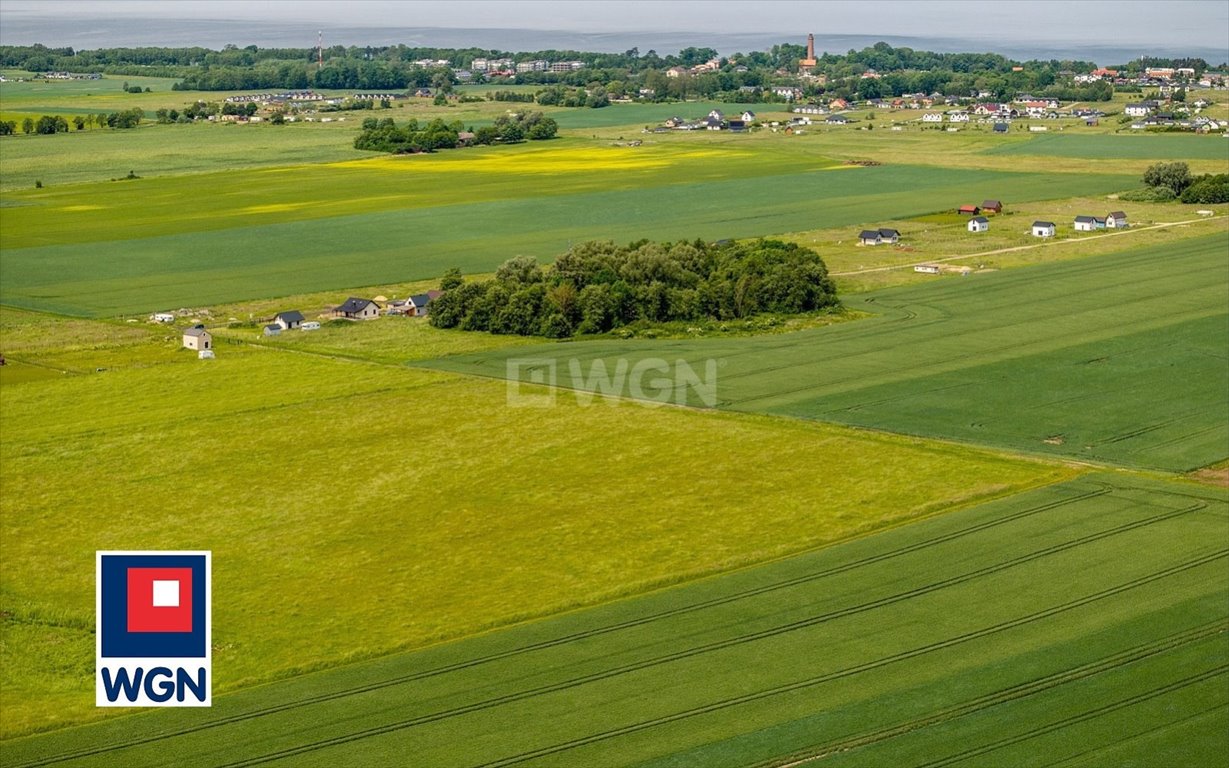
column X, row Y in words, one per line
column 884, row 546
column 1065, row 358
column 435, row 508
column 1108, row 611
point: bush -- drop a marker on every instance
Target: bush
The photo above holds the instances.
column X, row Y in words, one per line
column 1208, row 189
column 1148, row 195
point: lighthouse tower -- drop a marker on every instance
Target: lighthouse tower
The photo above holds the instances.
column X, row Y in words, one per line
column 809, row 61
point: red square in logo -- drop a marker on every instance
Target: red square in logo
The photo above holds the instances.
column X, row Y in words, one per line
column 159, row 599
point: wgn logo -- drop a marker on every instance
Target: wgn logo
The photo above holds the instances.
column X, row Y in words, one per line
column 153, row 629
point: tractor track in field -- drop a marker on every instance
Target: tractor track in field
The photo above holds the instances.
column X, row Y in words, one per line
column 811, row 682
column 718, row 645
column 1091, row 714
column 1102, row 490
column 1008, row 695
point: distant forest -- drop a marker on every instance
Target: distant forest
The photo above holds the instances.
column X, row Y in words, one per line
column 740, row 77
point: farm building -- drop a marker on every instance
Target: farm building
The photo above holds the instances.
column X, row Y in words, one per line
column 197, row 338
column 1116, row 220
column 1088, row 223
column 288, row 321
column 929, row 269
column 979, row 224
column 878, row 236
column 969, row 210
column 988, row 206
column 357, row 309
column 1043, row 229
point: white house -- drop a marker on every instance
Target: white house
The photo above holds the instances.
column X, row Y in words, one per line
column 1043, row 229
column 288, row 321
column 1116, row 220
column 197, row 338
column 1088, row 223
column 748, row 116
column 958, row 117
column 932, row 117
column 979, row 224
column 1137, row 110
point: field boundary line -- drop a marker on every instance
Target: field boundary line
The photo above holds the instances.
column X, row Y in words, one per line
column 754, row 592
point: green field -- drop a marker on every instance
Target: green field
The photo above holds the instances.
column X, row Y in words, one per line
column 1116, row 359
column 1057, row 622
column 470, row 513
column 880, row 543
column 79, row 250
column 1167, row 147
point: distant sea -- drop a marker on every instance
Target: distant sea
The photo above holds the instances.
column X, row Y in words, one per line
column 85, row 32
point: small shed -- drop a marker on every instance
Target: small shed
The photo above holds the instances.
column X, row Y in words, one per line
column 1088, row 223
column 1118, row 220
column 979, row 224
column 1043, row 229
column 272, row 329
column 968, row 210
column 991, row 206
column 197, row 338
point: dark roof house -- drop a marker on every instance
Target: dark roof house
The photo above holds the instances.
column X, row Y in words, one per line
column 357, row 309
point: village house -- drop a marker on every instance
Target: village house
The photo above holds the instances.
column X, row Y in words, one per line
column 878, row 236
column 197, row 338
column 836, row 120
column 357, row 309
column 288, row 321
column 979, row 224
column 968, row 210
column 748, row 116
column 958, row 117
column 932, row 117
column 1087, row 223
column 272, row 329
column 1116, row 220
column 810, row 109
column 991, row 205
column 1043, row 229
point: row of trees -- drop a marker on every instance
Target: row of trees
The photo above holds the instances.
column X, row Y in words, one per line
column 386, row 136
column 52, row 124
column 904, row 70
column 599, row 286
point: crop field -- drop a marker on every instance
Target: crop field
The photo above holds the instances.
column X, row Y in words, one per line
column 436, row 509
column 895, row 539
column 137, row 246
column 1108, row 147
column 1052, row 623
column 964, row 358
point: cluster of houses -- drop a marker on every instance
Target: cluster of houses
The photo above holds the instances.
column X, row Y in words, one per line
column 713, row 121
column 1112, row 220
column 199, row 339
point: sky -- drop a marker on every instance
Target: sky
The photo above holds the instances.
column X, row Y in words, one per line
column 1202, row 23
